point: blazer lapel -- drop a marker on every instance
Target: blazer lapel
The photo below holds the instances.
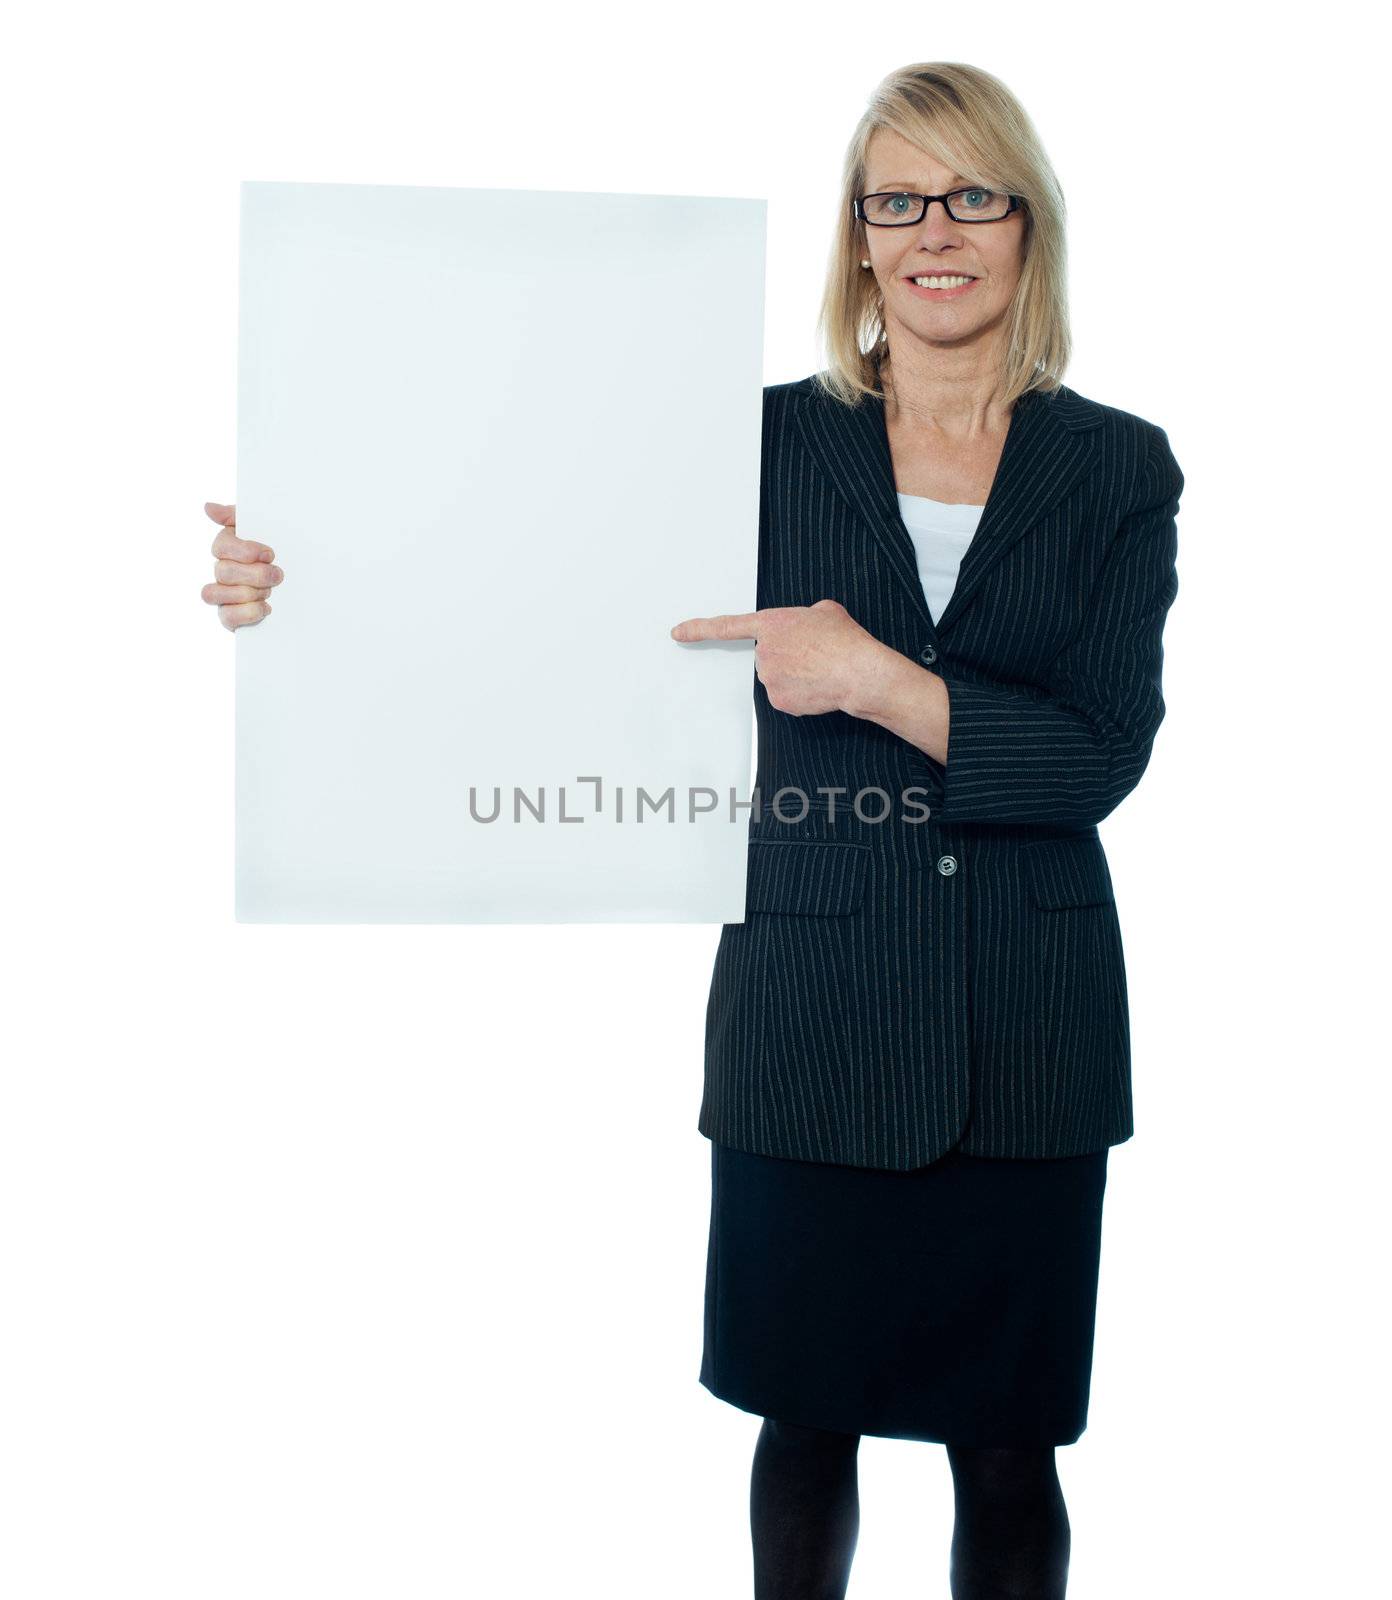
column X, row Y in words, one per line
column 1047, row 446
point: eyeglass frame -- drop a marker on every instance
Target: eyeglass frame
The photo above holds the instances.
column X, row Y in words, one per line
column 1016, row 201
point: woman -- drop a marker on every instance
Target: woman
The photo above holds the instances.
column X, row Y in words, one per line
column 917, row 1047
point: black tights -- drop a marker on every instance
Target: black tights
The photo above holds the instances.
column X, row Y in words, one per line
column 1011, row 1537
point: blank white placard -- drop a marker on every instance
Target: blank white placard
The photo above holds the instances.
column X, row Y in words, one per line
column 500, row 441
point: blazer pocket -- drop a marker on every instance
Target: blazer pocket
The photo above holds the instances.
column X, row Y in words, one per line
column 1069, row 872
column 812, row 878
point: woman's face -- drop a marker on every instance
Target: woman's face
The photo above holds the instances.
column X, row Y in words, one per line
column 990, row 253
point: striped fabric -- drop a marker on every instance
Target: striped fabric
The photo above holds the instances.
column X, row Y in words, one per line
column 901, row 986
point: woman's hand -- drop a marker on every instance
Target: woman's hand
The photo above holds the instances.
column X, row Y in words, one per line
column 243, row 572
column 811, row 659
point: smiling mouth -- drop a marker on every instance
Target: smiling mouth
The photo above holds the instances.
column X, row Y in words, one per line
column 950, row 285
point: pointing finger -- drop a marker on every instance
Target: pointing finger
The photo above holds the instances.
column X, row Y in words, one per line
column 740, row 625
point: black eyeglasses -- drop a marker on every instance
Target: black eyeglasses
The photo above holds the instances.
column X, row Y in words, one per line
column 900, row 210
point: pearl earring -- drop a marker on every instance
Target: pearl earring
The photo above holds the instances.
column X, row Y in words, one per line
column 865, row 263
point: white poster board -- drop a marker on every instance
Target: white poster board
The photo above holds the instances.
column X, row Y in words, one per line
column 500, row 442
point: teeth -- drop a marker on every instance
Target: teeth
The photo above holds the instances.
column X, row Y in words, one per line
column 940, row 283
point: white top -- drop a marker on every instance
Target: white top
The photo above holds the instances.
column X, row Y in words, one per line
column 941, row 533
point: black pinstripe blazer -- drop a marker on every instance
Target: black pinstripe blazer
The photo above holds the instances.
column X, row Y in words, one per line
column 899, row 987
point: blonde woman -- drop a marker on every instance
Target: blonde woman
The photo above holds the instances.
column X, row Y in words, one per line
column 917, row 1042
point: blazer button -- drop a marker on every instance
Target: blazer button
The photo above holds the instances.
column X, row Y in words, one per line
column 947, row 865
column 928, row 653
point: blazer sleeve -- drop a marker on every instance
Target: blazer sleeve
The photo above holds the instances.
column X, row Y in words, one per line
column 1069, row 753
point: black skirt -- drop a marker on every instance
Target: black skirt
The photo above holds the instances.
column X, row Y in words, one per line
column 954, row 1302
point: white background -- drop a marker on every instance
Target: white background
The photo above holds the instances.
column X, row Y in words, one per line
column 290, row 1306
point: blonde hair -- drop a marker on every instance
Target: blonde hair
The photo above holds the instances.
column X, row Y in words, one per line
column 968, row 120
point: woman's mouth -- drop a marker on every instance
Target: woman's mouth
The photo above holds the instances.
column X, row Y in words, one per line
column 948, row 285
